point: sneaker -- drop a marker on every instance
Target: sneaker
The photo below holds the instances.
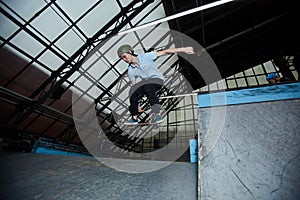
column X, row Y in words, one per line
column 132, row 121
column 159, row 119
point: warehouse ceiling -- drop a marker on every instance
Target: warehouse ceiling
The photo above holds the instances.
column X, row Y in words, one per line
column 44, row 43
column 240, row 34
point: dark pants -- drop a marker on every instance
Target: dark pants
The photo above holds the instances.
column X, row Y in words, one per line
column 148, row 88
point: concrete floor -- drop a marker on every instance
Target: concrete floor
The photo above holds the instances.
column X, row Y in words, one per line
column 40, row 176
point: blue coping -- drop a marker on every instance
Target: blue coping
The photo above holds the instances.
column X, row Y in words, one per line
column 45, row 150
column 250, row 95
column 40, row 148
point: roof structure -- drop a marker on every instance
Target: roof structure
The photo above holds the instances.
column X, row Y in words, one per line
column 44, row 46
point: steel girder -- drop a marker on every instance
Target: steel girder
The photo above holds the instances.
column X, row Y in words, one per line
column 75, row 61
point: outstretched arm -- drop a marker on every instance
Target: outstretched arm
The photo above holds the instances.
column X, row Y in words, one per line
column 187, row 50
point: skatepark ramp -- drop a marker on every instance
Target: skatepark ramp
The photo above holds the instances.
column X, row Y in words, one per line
column 251, row 151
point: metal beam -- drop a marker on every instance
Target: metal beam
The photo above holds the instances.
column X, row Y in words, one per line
column 16, row 99
column 175, row 16
column 81, row 53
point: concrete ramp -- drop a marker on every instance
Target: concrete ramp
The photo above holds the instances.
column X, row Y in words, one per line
column 257, row 154
column 64, row 177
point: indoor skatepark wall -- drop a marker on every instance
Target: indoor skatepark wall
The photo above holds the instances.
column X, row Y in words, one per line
column 257, row 154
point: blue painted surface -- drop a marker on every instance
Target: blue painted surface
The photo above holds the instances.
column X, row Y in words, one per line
column 193, row 150
column 45, row 150
column 45, row 147
column 251, row 95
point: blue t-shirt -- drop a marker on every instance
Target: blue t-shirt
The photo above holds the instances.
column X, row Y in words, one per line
column 147, row 68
